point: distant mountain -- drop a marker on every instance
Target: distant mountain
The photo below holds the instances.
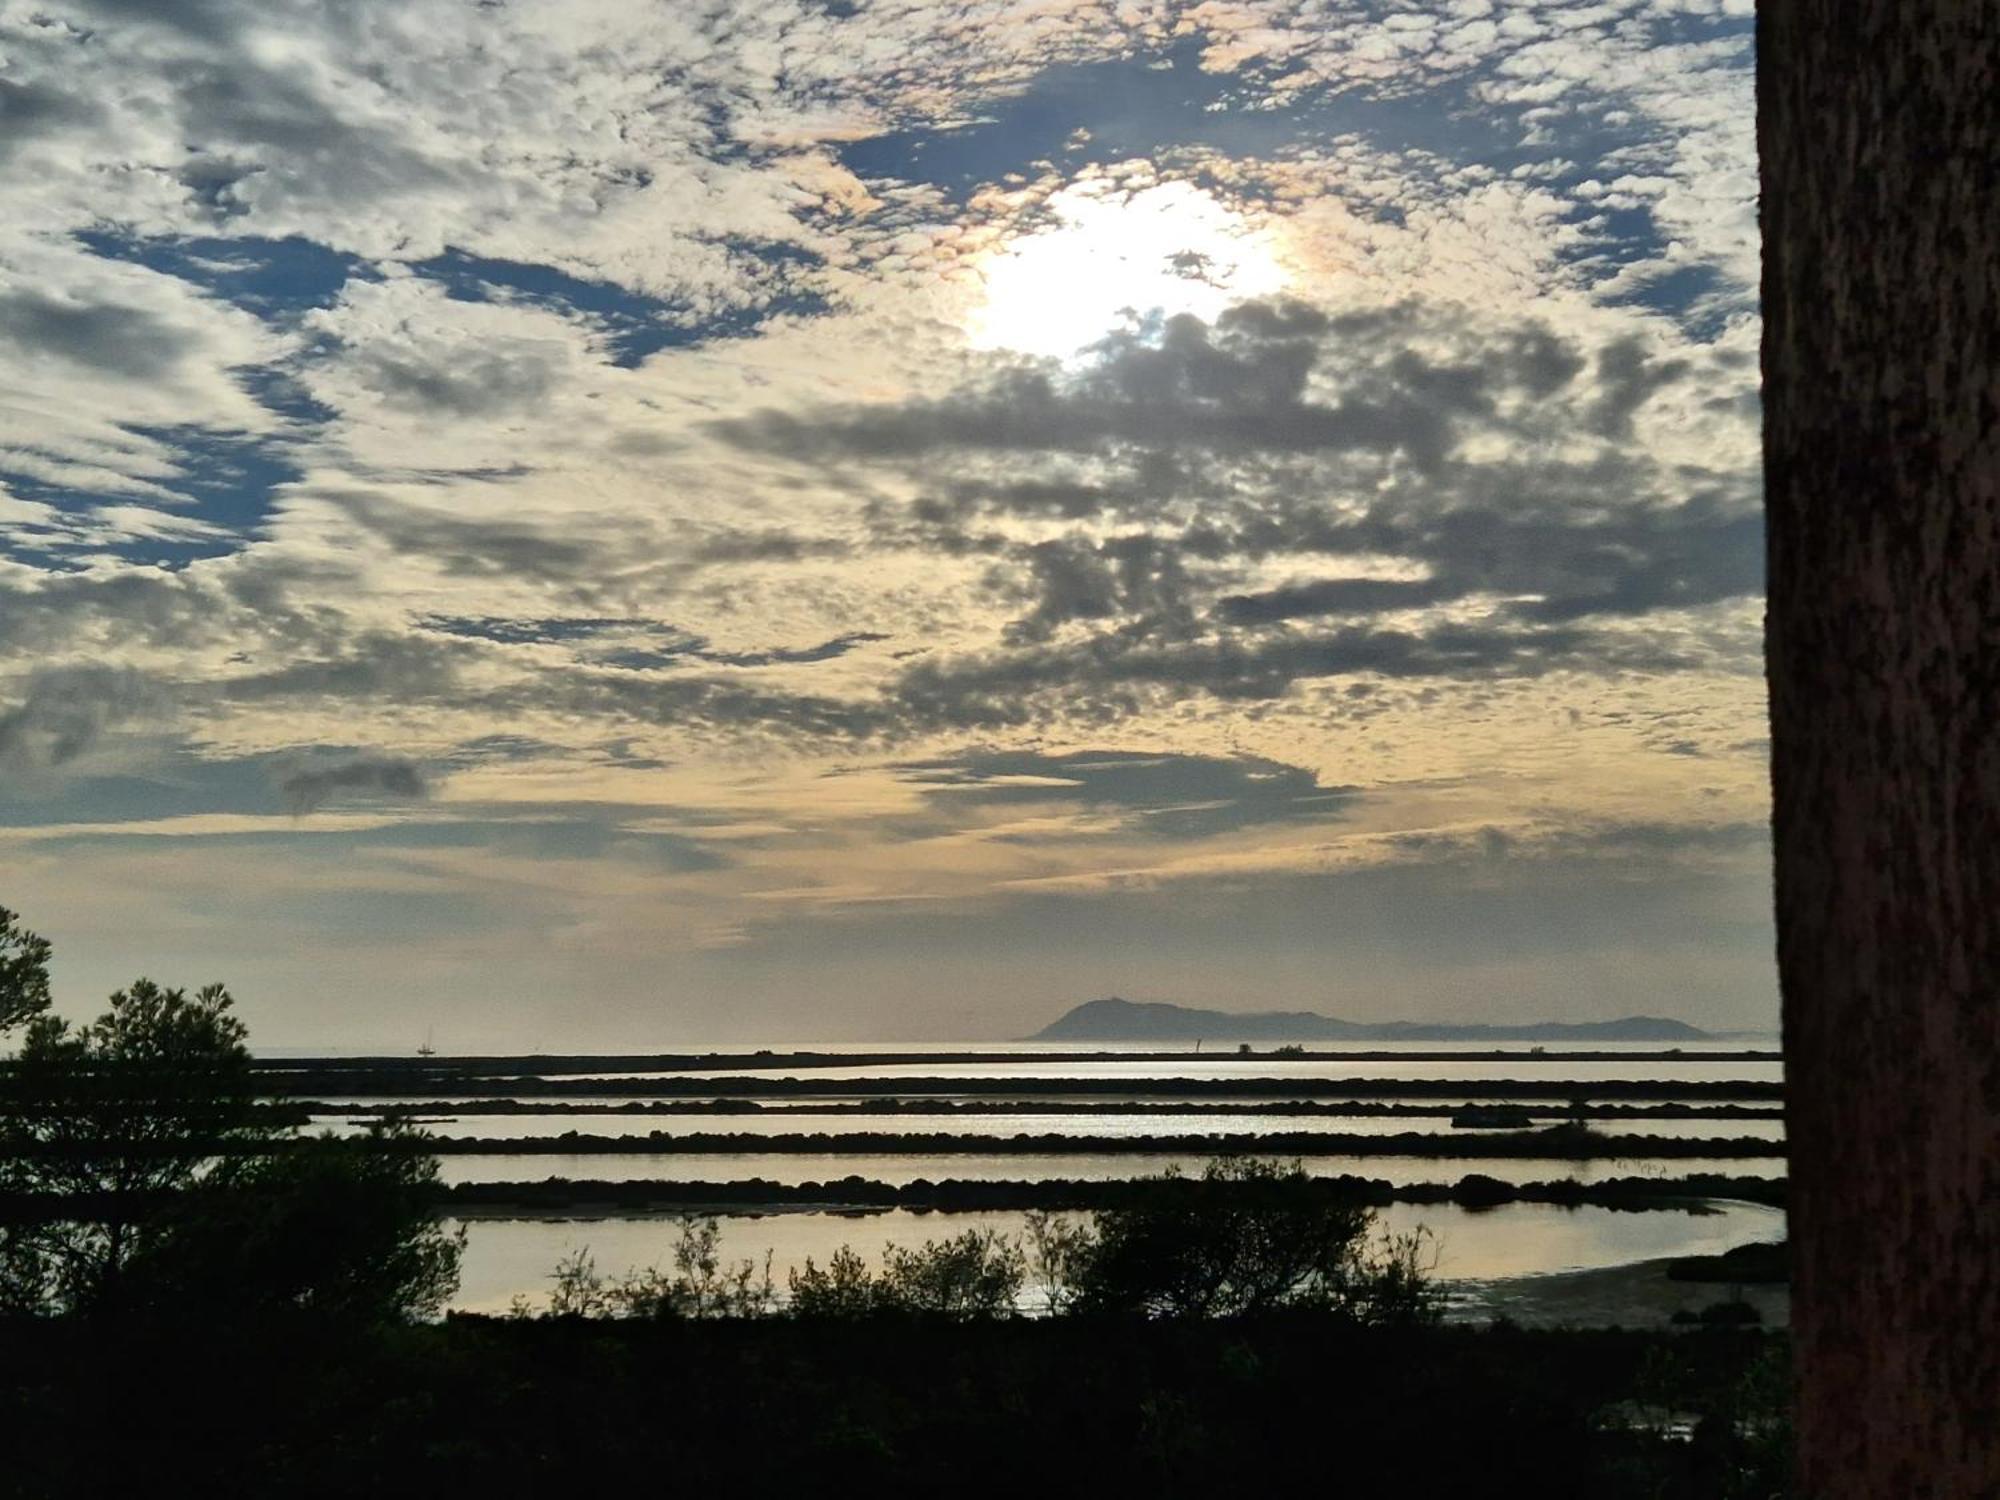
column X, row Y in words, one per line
column 1116, row 1020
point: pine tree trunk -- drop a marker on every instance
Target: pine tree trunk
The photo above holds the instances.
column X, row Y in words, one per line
column 1878, row 122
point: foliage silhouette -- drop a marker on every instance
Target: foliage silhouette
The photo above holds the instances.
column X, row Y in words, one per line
column 24, row 972
column 977, row 1274
column 140, row 1176
column 109, row 1120
column 1268, row 1242
column 700, row 1285
column 336, row 1228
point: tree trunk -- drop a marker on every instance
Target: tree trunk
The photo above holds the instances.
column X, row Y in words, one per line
column 1881, row 210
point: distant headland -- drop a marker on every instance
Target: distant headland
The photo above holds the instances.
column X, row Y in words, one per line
column 1116, row 1020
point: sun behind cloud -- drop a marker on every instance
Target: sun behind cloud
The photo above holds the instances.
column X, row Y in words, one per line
column 1113, row 255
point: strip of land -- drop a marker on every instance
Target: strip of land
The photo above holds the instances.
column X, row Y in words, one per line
column 1560, row 1142
column 1307, row 1109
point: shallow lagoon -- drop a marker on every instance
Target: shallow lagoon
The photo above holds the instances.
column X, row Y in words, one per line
column 509, row 1257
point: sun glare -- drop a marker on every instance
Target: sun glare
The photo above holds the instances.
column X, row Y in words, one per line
column 1114, row 256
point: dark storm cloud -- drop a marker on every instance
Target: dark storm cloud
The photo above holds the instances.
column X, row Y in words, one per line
column 1159, row 796
column 387, row 776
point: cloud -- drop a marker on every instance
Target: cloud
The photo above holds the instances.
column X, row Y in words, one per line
column 66, row 711
column 1163, row 796
column 387, row 776
column 612, row 406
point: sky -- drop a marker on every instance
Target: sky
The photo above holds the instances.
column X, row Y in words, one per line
column 607, row 524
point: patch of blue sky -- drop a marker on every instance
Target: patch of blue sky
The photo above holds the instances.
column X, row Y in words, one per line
column 175, row 784
column 228, row 480
column 1694, row 296
column 225, row 485
column 1150, row 105
column 634, row 324
column 276, row 279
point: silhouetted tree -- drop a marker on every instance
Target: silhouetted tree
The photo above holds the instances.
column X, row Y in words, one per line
column 977, row 1274
column 1250, row 1237
column 1881, row 298
column 24, row 972
column 336, row 1228
column 699, row 1285
column 100, row 1124
column 139, row 1173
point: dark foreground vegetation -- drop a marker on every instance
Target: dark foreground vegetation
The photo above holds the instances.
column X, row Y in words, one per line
column 1288, row 1404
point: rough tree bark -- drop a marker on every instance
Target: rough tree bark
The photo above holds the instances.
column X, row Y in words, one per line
column 1877, row 125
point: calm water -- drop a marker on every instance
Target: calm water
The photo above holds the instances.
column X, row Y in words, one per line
column 1041, row 1166
column 505, row 1258
column 509, row 1257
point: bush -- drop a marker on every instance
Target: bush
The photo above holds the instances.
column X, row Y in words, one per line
column 337, row 1228
column 1251, row 1237
column 978, row 1274
column 699, row 1286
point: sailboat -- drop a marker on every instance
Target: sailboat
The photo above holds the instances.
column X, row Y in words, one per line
column 427, row 1050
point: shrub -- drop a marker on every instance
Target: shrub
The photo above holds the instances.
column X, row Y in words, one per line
column 1248, row 1237
column 700, row 1285
column 977, row 1274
